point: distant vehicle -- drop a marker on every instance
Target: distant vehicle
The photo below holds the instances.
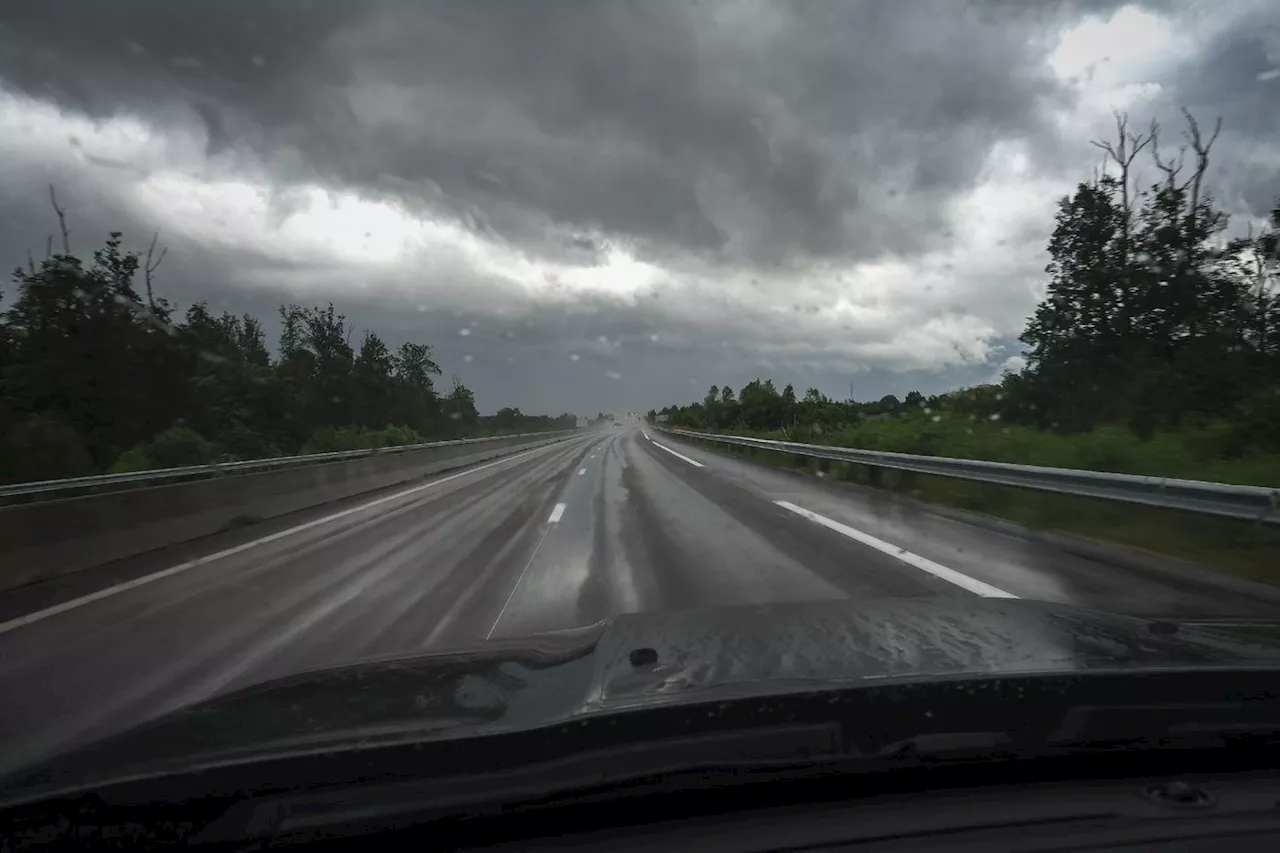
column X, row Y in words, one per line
column 1137, row 729
column 615, row 423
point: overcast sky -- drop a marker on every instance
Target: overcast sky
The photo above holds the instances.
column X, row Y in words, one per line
column 604, row 205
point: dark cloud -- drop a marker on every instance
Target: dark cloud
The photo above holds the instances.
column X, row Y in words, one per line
column 740, row 131
column 733, row 143
column 1236, row 76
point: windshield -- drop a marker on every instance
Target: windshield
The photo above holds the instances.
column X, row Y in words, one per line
column 347, row 331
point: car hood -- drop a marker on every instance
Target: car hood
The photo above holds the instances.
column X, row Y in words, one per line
column 636, row 661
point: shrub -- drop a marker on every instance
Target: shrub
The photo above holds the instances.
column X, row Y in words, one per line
column 42, row 448
column 175, row 447
column 179, row 446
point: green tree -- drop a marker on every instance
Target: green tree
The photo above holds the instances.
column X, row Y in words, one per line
column 460, row 407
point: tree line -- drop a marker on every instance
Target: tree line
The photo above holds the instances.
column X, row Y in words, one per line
column 100, row 373
column 1152, row 321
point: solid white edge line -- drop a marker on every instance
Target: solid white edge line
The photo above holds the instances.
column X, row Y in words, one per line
column 556, row 514
column 695, row 463
column 938, row 570
column 39, row 615
column 645, row 434
column 581, row 471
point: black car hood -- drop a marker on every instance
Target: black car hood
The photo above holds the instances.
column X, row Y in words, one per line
column 636, row 661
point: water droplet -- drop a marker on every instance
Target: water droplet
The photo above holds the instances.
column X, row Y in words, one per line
column 422, row 309
column 464, row 332
column 573, row 356
column 613, row 374
column 653, row 338
column 468, row 358
column 455, row 416
column 996, row 416
column 936, row 418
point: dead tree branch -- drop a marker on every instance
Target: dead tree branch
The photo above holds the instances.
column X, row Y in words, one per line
column 149, row 268
column 1170, row 168
column 62, row 221
column 1123, row 151
column 1202, row 162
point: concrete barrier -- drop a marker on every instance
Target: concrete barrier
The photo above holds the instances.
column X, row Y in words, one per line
column 45, row 540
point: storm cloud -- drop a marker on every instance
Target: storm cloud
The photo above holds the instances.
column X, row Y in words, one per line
column 675, row 193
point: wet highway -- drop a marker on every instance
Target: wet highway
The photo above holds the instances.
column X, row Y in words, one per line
column 556, row 537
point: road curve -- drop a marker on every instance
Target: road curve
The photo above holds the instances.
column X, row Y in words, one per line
column 563, row 535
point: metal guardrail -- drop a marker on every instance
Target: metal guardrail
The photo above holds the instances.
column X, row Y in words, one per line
column 1257, row 503
column 218, row 469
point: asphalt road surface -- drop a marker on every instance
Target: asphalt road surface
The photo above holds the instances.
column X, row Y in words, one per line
column 555, row 537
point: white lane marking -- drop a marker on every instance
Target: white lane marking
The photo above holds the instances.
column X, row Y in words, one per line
column 556, row 514
column 581, row 471
column 645, row 434
column 695, row 463
column 191, row 564
column 593, row 456
column 973, row 585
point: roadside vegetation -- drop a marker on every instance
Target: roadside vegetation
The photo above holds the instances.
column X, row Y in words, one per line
column 1155, row 350
column 98, row 372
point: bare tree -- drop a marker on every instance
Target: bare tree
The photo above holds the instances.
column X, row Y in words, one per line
column 62, row 221
column 149, row 268
column 1124, row 151
column 1202, row 162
